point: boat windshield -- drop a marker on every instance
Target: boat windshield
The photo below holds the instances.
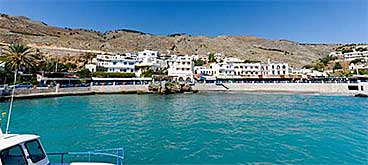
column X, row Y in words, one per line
column 13, row 155
column 35, row 151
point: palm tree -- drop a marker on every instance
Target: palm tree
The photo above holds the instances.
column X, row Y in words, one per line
column 17, row 57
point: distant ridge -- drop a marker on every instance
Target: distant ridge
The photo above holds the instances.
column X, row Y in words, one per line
column 22, row 29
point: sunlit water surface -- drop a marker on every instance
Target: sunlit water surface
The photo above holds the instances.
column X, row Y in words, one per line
column 208, row 128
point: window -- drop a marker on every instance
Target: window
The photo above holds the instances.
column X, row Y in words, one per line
column 13, row 155
column 355, row 88
column 35, row 151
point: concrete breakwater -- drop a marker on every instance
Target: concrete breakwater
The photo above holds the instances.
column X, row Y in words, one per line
column 346, row 89
column 120, row 89
column 46, row 92
column 311, row 88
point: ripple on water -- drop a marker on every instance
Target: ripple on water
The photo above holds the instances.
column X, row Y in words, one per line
column 210, row 128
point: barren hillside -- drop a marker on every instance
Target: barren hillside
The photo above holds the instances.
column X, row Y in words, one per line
column 42, row 36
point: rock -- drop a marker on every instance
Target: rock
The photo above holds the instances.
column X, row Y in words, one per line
column 186, row 88
column 172, row 88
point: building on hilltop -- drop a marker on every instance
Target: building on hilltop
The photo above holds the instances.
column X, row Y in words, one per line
column 356, row 55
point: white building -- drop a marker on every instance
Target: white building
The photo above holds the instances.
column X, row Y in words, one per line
column 356, row 55
column 181, row 68
column 248, row 69
column 128, row 62
column 232, row 60
column 235, row 68
column 116, row 63
column 276, row 68
column 91, row 67
column 148, row 54
column 363, row 66
column 336, row 54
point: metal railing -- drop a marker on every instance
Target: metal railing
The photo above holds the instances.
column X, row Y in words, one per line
column 117, row 153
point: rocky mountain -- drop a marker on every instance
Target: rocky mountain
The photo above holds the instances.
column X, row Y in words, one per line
column 57, row 41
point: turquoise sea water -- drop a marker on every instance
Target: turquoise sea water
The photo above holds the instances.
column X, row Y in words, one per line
column 207, row 128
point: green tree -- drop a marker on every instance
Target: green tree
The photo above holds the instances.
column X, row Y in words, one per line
column 319, row 66
column 148, row 73
column 17, row 57
column 113, row 75
column 308, row 66
column 325, row 60
column 84, row 73
column 356, row 61
column 211, row 57
column 337, row 66
column 198, row 62
column 87, row 57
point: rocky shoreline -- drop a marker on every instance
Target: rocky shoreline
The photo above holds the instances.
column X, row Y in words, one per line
column 170, row 88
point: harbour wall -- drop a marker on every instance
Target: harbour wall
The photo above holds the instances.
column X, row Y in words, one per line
column 311, row 88
column 306, row 88
column 120, row 89
column 50, row 90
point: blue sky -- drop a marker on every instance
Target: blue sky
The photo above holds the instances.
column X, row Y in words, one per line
column 312, row 21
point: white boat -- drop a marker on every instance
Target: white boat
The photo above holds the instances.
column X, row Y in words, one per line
column 25, row 149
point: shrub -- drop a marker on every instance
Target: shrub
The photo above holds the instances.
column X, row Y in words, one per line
column 171, row 84
column 198, row 62
column 355, row 61
column 84, row 73
column 211, row 57
column 337, row 66
column 148, row 73
column 112, row 75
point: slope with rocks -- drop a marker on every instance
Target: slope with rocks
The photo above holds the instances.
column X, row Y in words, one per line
column 39, row 34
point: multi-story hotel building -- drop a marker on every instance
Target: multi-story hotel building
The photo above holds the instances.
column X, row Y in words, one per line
column 356, row 55
column 238, row 70
column 116, row 63
column 181, row 68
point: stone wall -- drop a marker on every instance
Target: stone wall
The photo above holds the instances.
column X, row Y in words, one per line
column 208, row 87
column 120, row 88
column 50, row 90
